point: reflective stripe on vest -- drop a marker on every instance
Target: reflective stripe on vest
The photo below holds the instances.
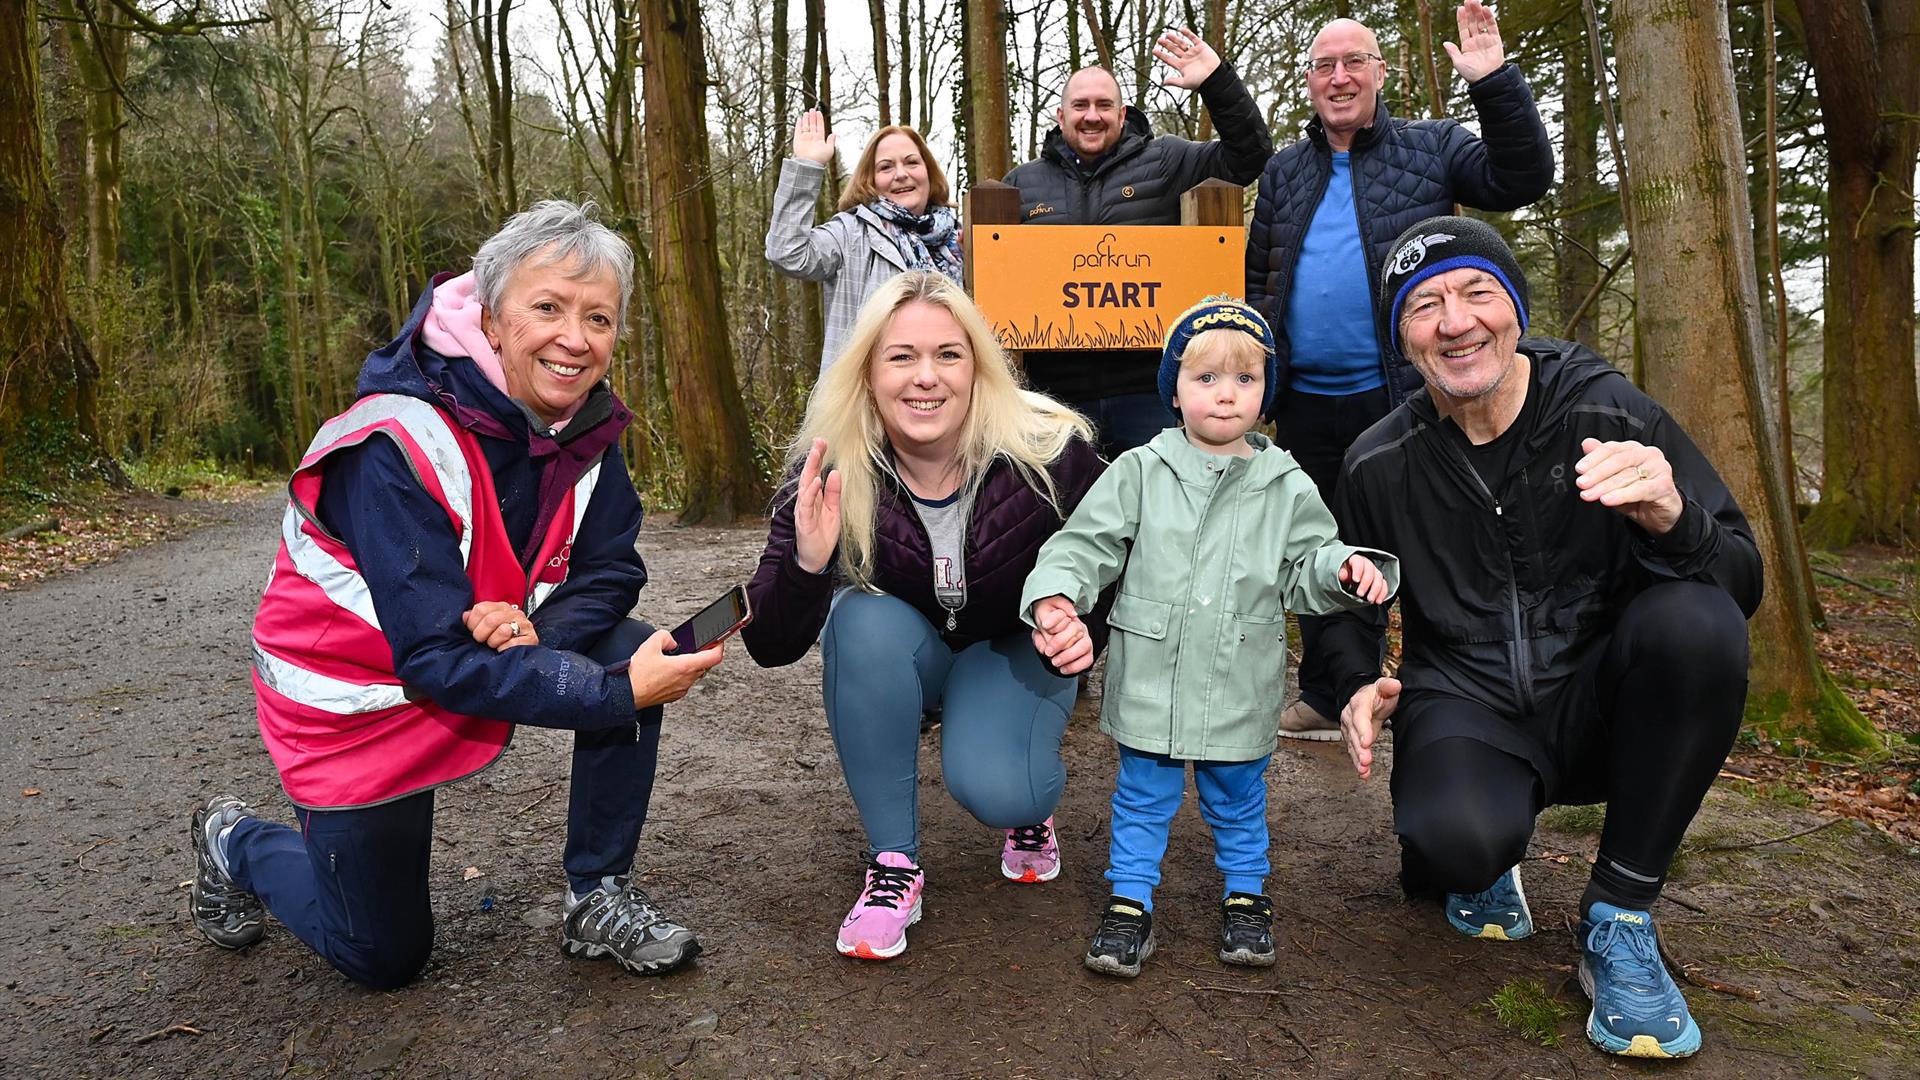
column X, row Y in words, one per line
column 319, row 691
column 582, row 494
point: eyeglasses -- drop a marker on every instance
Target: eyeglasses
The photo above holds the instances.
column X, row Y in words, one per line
column 1355, row 63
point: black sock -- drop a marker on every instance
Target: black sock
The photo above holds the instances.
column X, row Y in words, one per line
column 1620, row 885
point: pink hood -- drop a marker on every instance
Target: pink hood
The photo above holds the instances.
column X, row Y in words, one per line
column 452, row 328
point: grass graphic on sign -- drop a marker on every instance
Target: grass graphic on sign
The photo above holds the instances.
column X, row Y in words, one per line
column 1134, row 335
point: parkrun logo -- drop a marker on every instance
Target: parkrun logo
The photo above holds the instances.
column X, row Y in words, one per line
column 1109, row 294
column 1104, row 257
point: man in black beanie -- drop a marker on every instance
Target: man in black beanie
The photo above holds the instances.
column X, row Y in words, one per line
column 1575, row 587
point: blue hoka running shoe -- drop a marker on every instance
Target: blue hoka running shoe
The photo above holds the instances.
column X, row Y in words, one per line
column 1637, row 1010
column 1497, row 913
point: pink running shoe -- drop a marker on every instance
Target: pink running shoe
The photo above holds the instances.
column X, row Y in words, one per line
column 1031, row 854
column 876, row 928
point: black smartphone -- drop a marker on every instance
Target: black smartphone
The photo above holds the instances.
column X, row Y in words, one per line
column 707, row 628
column 714, row 622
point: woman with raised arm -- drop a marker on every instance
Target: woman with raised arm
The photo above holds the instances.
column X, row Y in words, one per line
column 895, row 215
column 921, row 485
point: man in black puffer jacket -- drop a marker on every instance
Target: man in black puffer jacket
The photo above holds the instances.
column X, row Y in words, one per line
column 1103, row 165
column 1329, row 207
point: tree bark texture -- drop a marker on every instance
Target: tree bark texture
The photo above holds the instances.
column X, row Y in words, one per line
column 1699, row 312
column 1577, row 248
column 44, row 425
column 988, row 151
column 1866, row 67
column 882, row 74
column 722, row 482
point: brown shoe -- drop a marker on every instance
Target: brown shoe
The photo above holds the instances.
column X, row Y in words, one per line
column 1301, row 721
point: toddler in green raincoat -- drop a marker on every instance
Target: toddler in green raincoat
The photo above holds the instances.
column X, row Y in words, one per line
column 1214, row 534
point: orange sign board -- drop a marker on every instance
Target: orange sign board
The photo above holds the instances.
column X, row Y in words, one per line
column 1099, row 287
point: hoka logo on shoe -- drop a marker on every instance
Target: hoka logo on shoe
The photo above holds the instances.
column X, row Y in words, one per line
column 1633, row 917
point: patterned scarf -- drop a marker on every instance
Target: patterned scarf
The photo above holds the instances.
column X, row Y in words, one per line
column 929, row 241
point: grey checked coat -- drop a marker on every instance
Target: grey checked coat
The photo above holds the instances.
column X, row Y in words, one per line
column 849, row 254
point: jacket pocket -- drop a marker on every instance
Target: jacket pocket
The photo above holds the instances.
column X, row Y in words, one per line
column 1258, row 678
column 1142, row 662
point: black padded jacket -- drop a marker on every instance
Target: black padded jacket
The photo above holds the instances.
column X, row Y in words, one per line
column 1404, row 171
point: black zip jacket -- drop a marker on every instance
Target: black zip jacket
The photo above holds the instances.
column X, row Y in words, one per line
column 1404, row 171
column 1504, row 592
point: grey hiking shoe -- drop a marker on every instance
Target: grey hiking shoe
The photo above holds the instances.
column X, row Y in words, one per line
column 230, row 916
column 619, row 920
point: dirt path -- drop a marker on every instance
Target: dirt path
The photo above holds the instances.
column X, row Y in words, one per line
column 126, row 699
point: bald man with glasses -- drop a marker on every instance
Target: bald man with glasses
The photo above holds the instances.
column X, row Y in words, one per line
column 1330, row 206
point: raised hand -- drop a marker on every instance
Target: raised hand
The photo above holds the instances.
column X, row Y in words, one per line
column 1360, row 721
column 816, row 512
column 810, row 139
column 1060, row 635
column 1630, row 479
column 1368, row 582
column 1480, row 52
column 1191, row 58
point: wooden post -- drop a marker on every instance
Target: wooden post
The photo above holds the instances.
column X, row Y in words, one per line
column 1213, row 202
column 988, row 202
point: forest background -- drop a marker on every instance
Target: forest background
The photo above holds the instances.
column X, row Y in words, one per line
column 210, row 211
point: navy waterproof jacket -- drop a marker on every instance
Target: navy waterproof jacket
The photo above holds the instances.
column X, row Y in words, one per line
column 410, row 557
column 1404, row 171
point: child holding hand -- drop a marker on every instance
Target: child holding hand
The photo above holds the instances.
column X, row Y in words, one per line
column 1214, row 534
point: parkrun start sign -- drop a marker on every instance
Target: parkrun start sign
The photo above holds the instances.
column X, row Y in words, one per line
column 1099, row 287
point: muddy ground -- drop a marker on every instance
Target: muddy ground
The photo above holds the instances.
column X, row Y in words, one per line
column 124, row 700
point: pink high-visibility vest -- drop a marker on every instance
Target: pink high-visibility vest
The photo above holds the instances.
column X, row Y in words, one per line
column 341, row 727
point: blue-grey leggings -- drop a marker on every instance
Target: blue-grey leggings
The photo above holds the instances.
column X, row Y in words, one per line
column 1003, row 714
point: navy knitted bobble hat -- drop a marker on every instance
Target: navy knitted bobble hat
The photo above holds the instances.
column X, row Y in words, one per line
column 1440, row 244
column 1217, row 313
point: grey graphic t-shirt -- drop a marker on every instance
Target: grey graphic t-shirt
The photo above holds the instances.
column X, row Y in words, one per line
column 946, row 523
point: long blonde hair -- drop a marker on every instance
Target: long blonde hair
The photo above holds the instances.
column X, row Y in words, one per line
column 1005, row 419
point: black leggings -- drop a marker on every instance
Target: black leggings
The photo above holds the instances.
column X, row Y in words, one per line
column 1647, row 735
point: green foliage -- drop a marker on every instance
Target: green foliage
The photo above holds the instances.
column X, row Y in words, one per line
column 1524, row 1007
column 1578, row 820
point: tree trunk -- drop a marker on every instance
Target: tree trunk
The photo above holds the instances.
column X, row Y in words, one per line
column 1577, row 248
column 1699, row 310
column 1866, row 70
column 988, row 154
column 906, row 67
column 882, row 75
column 46, row 425
column 722, row 482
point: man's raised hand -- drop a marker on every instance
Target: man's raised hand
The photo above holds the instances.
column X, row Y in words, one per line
column 1480, row 52
column 1360, row 721
column 1189, row 55
column 816, row 512
column 1630, row 479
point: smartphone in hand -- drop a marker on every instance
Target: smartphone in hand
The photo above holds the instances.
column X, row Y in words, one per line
column 710, row 626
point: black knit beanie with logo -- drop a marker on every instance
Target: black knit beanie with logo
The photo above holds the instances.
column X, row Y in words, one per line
column 1440, row 244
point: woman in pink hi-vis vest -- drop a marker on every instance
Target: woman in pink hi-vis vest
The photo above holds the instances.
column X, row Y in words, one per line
column 457, row 556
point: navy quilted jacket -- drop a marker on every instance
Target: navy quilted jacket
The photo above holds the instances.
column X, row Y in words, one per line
column 1010, row 521
column 1404, row 171
column 1140, row 181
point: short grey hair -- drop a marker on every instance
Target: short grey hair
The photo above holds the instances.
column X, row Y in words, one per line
column 553, row 231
